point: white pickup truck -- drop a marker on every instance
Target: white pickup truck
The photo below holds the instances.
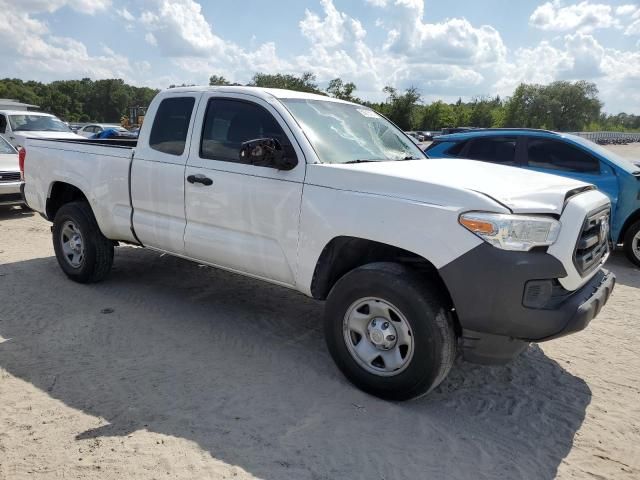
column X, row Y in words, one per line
column 417, row 259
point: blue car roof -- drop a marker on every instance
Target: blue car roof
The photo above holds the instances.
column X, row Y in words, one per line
column 495, row 132
column 620, row 162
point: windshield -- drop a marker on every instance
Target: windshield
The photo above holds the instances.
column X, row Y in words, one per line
column 345, row 133
column 36, row 123
column 5, row 147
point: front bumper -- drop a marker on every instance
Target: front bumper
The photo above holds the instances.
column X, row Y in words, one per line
column 488, row 287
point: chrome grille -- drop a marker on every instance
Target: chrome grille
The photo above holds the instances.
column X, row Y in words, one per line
column 593, row 243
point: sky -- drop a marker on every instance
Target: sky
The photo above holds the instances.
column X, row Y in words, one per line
column 464, row 48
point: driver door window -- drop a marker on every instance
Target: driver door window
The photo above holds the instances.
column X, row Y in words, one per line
column 230, row 123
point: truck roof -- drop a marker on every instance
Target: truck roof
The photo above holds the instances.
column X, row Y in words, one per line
column 264, row 93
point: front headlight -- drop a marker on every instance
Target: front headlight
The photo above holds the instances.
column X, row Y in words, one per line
column 512, row 232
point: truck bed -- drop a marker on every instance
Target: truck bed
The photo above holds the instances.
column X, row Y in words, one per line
column 99, row 168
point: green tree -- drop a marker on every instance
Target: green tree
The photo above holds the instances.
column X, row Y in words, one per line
column 399, row 108
column 482, row 111
column 437, row 116
column 462, row 114
column 218, row 80
column 563, row 106
column 344, row 91
column 303, row 83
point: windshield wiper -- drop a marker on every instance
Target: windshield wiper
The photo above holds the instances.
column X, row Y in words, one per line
column 360, row 161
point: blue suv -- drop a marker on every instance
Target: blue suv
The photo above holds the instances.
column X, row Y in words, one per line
column 561, row 154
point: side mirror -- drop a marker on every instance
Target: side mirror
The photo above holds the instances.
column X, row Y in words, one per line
column 267, row 152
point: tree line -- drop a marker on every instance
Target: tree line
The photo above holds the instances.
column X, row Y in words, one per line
column 83, row 100
column 561, row 105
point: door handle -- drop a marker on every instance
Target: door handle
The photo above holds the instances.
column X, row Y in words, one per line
column 200, row 179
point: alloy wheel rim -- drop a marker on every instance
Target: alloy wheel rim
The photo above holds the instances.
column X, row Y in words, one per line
column 635, row 245
column 378, row 336
column 72, row 244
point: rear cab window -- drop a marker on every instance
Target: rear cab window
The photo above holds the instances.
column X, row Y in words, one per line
column 171, row 125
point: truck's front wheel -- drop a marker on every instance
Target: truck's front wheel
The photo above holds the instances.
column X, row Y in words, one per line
column 389, row 331
column 83, row 252
column 632, row 243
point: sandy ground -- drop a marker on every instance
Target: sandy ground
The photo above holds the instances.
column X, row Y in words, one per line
column 173, row 370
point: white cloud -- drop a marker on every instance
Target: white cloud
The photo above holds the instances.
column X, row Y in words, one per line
column 181, row 29
column 331, row 30
column 126, row 14
column 454, row 40
column 578, row 56
column 584, row 16
column 68, row 56
column 623, row 10
column 150, row 38
column 634, row 28
column 587, row 55
column 30, row 50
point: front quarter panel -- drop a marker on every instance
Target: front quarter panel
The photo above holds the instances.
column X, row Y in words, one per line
column 431, row 231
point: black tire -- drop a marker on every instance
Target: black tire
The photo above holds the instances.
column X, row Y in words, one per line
column 424, row 306
column 632, row 231
column 98, row 250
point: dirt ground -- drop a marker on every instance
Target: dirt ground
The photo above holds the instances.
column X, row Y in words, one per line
column 173, row 370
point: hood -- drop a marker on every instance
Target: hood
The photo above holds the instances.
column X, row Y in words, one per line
column 9, row 162
column 451, row 182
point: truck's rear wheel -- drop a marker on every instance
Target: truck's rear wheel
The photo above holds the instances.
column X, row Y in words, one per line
column 389, row 331
column 83, row 253
column 632, row 243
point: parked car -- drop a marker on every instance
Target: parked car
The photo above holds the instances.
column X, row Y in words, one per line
column 416, row 258
column 94, row 129
column 9, row 174
column 428, row 136
column 416, row 135
column 561, row 154
column 18, row 125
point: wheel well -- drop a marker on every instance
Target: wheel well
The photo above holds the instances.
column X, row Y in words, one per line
column 62, row 193
column 343, row 254
column 633, row 218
